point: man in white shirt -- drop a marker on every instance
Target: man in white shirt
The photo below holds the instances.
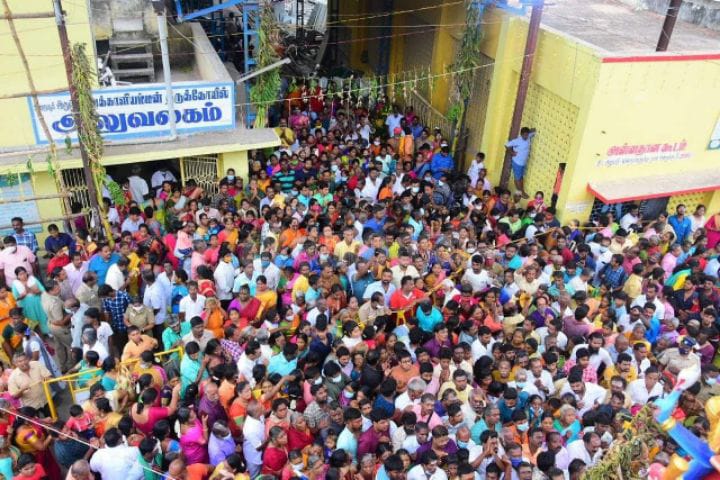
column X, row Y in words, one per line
column 247, row 277
column 247, row 361
column 541, row 378
column 587, row 395
column 477, row 276
column 393, row 120
column 427, row 468
column 154, row 297
column 372, row 186
column 160, row 176
column 642, row 389
column 116, row 461
column 384, row 286
column 579, row 283
column 164, row 278
column 319, row 308
column 411, row 397
column 482, row 345
column 651, row 297
column 192, row 304
column 264, row 266
column 632, row 217
column 598, row 354
column 586, row 449
column 117, row 274
column 403, row 268
column 138, row 186
column 520, row 150
column 224, row 278
column 253, row 438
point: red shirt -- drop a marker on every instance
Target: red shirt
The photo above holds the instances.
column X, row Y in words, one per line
column 39, row 473
column 398, row 301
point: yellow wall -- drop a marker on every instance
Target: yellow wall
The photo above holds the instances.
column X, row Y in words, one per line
column 647, row 103
column 39, row 38
column 237, row 160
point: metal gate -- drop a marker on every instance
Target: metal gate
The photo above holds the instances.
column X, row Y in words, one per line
column 203, row 169
column 75, row 184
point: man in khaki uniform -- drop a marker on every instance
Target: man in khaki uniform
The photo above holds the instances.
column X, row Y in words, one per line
column 26, row 382
column 59, row 322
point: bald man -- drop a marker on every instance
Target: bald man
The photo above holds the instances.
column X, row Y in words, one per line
column 79, row 470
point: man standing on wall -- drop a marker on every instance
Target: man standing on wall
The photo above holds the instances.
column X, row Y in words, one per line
column 520, row 147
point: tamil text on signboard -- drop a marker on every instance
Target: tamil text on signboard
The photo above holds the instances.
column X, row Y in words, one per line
column 623, row 155
column 135, row 112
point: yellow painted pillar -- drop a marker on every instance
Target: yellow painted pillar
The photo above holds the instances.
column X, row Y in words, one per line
column 713, row 203
column 397, row 45
column 443, row 57
column 236, row 160
column 501, row 98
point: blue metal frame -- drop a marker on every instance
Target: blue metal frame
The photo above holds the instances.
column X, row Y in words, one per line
column 503, row 4
column 251, row 15
column 204, row 11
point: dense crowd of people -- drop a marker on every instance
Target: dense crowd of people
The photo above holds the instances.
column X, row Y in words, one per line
column 357, row 308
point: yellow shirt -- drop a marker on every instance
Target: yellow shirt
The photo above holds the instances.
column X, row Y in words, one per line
column 342, row 248
column 633, row 287
column 612, row 371
column 268, row 299
column 300, row 285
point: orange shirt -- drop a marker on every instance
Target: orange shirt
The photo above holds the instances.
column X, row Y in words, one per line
column 198, row 471
column 215, row 321
column 227, row 393
column 402, row 376
column 133, row 350
column 289, row 237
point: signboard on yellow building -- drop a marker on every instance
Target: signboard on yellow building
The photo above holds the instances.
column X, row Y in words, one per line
column 140, row 112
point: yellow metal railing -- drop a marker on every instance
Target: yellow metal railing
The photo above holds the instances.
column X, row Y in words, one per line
column 90, row 377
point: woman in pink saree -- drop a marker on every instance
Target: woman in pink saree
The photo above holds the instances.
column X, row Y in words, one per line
column 712, row 226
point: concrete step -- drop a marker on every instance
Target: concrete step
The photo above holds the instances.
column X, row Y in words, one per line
column 135, row 72
column 131, row 57
column 130, row 42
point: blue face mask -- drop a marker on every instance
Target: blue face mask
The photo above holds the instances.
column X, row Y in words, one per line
column 265, row 263
column 231, row 177
column 461, row 444
column 515, row 462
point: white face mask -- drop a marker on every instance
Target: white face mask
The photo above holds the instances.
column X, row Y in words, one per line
column 337, row 378
column 12, row 249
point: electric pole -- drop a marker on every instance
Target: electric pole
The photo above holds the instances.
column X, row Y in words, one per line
column 67, row 57
column 668, row 25
column 523, row 85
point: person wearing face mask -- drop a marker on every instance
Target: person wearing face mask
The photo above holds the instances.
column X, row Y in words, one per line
column 139, row 315
column 709, row 383
column 12, row 257
column 427, row 469
column 334, row 380
column 269, row 270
